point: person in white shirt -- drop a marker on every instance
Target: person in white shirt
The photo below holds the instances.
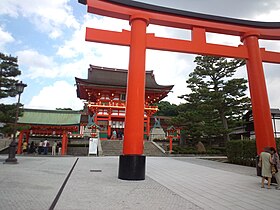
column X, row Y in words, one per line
column 45, row 146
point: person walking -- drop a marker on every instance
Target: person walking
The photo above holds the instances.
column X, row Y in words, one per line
column 275, row 160
column 266, row 161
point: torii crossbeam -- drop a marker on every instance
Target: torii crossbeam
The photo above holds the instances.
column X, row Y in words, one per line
column 140, row 15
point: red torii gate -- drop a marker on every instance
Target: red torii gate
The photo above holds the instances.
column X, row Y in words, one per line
column 139, row 15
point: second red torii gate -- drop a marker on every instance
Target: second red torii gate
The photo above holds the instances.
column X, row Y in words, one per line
column 132, row 163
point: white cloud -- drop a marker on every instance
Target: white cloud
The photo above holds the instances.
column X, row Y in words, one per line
column 59, row 95
column 48, row 16
column 5, row 38
column 77, row 45
column 171, row 69
column 228, row 40
column 37, row 65
column 269, row 16
column 273, row 90
column 33, row 58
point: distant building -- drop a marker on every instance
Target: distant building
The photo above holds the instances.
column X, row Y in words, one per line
column 49, row 124
column 104, row 92
column 247, row 129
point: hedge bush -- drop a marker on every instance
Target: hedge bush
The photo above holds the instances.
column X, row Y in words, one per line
column 243, row 152
column 193, row 150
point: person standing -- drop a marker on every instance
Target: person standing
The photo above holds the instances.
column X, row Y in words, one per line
column 114, row 135
column 24, row 147
column 45, row 146
column 40, row 147
column 59, row 145
column 266, row 161
column 275, row 160
column 32, row 148
column 54, row 148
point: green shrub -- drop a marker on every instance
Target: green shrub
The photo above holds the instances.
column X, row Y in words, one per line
column 193, row 150
column 244, row 152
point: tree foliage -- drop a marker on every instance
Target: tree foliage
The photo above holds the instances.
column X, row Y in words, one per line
column 7, row 116
column 166, row 109
column 217, row 101
column 8, row 71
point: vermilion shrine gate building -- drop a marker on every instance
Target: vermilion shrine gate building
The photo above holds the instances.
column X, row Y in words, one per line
column 105, row 94
column 48, row 124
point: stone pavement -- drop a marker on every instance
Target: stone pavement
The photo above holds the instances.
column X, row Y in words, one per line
column 171, row 183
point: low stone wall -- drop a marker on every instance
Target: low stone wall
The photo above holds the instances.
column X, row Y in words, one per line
column 4, row 145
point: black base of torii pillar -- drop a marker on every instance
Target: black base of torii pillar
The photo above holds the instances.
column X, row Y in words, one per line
column 132, row 167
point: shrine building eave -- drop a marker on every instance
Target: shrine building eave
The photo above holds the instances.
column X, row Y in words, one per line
column 110, row 79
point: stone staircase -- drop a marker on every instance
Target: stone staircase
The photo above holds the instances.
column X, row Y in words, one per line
column 115, row 148
column 112, row 147
column 152, row 149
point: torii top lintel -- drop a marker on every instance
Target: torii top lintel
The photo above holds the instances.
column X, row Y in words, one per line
column 198, row 23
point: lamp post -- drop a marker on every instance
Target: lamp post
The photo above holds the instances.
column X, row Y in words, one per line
column 12, row 147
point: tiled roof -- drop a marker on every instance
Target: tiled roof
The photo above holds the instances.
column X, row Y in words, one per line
column 102, row 76
column 50, row 117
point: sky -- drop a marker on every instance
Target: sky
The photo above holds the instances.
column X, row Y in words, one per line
column 48, row 37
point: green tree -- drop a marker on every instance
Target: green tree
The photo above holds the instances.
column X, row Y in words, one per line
column 8, row 71
column 166, row 109
column 217, row 101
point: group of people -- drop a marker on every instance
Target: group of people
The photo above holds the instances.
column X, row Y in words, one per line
column 41, row 148
column 270, row 166
column 28, row 148
column 117, row 134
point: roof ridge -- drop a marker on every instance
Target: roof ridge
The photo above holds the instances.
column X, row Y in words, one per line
column 51, row 110
column 91, row 66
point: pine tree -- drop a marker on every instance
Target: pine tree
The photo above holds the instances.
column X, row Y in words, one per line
column 217, row 101
column 8, row 71
column 166, row 109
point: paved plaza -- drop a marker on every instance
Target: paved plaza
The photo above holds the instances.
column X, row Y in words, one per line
column 171, row 183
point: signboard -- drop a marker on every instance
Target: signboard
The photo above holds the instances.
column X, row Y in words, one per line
column 92, row 149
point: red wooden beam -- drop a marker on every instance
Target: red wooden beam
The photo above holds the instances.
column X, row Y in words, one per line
column 122, row 11
column 177, row 45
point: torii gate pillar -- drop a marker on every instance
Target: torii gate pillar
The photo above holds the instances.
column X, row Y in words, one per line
column 259, row 99
column 132, row 162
